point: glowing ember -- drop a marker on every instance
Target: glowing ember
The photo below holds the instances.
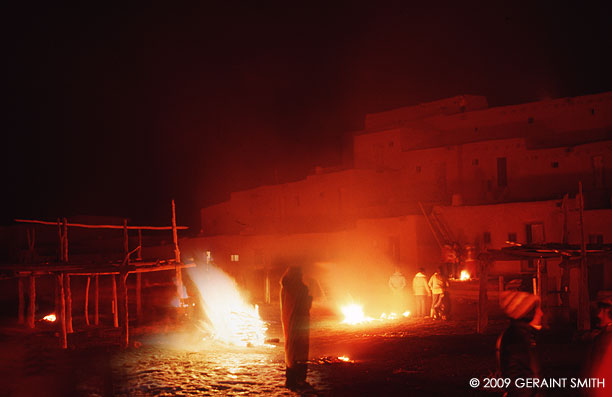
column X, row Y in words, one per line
column 230, row 319
column 50, row 318
column 353, row 314
column 464, row 275
column 344, row 358
column 406, row 313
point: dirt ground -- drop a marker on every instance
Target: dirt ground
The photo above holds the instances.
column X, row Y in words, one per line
column 408, row 356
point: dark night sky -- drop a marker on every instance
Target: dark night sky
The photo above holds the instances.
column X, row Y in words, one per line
column 115, row 110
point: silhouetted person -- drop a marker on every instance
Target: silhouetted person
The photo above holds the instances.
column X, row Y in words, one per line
column 438, row 285
column 421, row 291
column 601, row 351
column 516, row 346
column 397, row 283
column 295, row 316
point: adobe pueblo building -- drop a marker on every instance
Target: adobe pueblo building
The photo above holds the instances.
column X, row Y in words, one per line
column 447, row 182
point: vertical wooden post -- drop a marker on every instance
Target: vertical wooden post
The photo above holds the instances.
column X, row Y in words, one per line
column 177, row 255
column 87, row 300
column 61, row 241
column 125, row 333
column 65, row 234
column 139, row 252
column 500, row 285
column 62, row 312
column 584, row 315
column 126, row 245
column 68, row 295
column 139, row 297
column 115, row 306
column 482, row 297
column 32, row 303
column 123, row 289
column 21, row 309
column 96, row 299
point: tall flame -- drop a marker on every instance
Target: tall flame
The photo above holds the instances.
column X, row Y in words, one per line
column 230, row 318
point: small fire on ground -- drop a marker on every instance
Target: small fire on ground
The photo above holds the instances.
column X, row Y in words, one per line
column 50, row 318
column 465, row 275
column 353, row 314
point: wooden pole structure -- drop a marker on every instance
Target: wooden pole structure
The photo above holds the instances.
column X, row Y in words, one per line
column 500, row 286
column 584, row 315
column 62, row 312
column 96, row 299
column 68, row 295
column 21, row 309
column 61, row 241
column 65, row 234
column 482, row 298
column 66, row 281
column 177, row 254
column 123, row 273
column 32, row 303
column 87, row 300
column 126, row 242
column 139, row 252
column 139, row 280
column 125, row 332
column 115, row 306
column 139, row 297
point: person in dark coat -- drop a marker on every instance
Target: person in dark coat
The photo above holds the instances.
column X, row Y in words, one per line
column 601, row 350
column 295, row 316
column 516, row 346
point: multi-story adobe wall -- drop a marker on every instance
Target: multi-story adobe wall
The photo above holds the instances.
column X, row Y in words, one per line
column 321, row 202
column 507, row 170
column 561, row 122
column 403, row 115
column 558, row 122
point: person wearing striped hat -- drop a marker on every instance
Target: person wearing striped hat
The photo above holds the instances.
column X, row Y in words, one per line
column 516, row 346
column 601, row 350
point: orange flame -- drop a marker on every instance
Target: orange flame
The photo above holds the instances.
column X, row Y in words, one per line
column 230, row 319
column 464, row 275
column 50, row 318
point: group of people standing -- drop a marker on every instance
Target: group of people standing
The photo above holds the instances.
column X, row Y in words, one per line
column 436, row 288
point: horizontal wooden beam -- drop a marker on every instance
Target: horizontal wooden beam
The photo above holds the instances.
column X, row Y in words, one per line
column 86, row 226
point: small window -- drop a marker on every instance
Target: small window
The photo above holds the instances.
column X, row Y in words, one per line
column 234, row 257
column 475, row 162
column 391, row 144
column 554, row 164
column 418, row 169
column 512, row 237
column 530, row 120
column 486, row 237
column 596, row 239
